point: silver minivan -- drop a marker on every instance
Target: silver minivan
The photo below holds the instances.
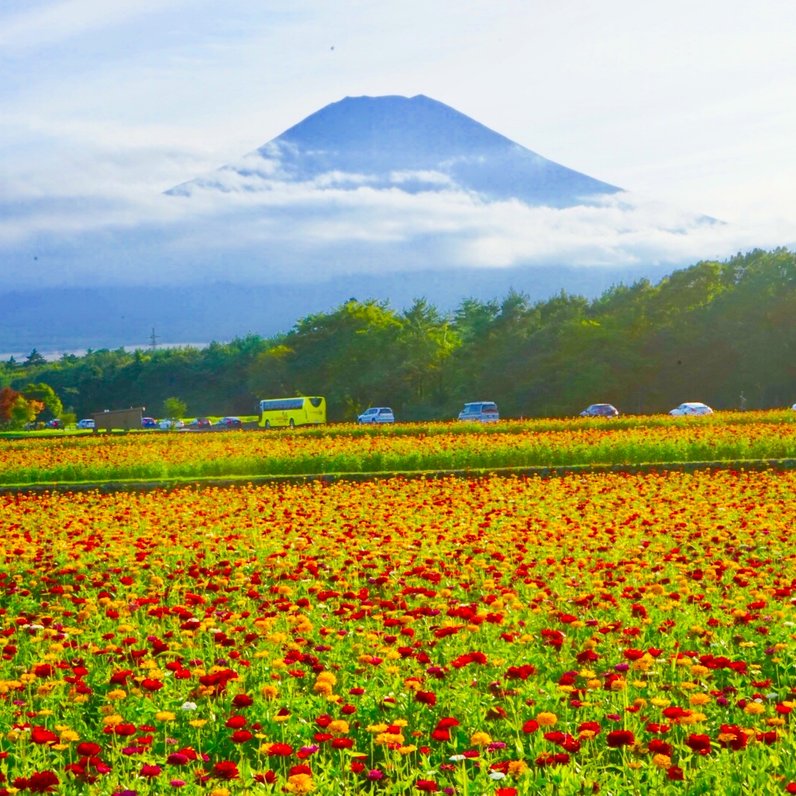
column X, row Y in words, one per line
column 377, row 414
column 480, row 412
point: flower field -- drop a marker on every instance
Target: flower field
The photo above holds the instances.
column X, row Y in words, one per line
column 410, row 448
column 604, row 633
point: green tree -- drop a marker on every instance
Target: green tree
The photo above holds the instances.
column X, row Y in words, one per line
column 174, row 408
column 34, row 358
column 45, row 394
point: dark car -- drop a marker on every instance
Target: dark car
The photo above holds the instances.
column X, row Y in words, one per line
column 200, row 422
column 229, row 422
column 149, row 422
column 600, row 410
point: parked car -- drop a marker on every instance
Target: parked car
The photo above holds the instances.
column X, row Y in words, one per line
column 692, row 408
column 200, row 422
column 229, row 422
column 54, row 423
column 480, row 412
column 169, row 423
column 149, row 422
column 86, row 422
column 600, row 410
column 377, row 414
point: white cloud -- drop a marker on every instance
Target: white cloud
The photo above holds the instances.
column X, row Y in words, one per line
column 284, row 230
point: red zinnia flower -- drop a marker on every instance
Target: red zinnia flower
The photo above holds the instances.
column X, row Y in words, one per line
column 659, row 747
column 42, row 735
column 699, row 743
column 149, row 684
column 225, row 769
column 280, row 750
column 38, row 782
column 427, row 785
column 618, row 738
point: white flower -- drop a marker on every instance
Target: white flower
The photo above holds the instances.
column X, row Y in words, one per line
column 188, row 706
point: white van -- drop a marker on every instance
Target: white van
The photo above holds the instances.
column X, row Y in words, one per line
column 480, row 412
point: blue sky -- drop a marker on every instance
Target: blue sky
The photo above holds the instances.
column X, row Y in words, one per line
column 107, row 104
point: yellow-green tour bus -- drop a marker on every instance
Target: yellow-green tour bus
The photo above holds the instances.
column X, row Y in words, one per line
column 291, row 412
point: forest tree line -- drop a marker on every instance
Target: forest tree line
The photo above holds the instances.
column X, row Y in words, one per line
column 719, row 332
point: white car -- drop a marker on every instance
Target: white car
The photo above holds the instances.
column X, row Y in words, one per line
column 167, row 424
column 377, row 414
column 86, row 422
column 480, row 412
column 692, row 408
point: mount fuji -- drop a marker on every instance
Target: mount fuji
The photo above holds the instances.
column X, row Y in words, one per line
column 392, row 198
column 412, row 144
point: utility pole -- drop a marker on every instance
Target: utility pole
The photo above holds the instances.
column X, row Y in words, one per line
column 153, row 340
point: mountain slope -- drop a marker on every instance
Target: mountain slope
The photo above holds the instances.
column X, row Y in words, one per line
column 415, row 144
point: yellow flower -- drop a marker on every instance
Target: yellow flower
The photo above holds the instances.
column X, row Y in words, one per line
column 754, row 708
column 546, row 719
column 517, row 768
column 68, row 736
column 165, row 715
column 198, row 723
column 480, row 739
column 385, row 738
column 269, row 691
column 338, row 727
column 775, row 722
column 662, row 761
column 699, row 699
column 619, row 684
column 594, row 683
column 300, row 783
column 116, row 694
column 694, row 718
column 113, row 719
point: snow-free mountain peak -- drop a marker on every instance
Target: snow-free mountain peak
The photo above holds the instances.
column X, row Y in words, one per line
column 411, row 143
